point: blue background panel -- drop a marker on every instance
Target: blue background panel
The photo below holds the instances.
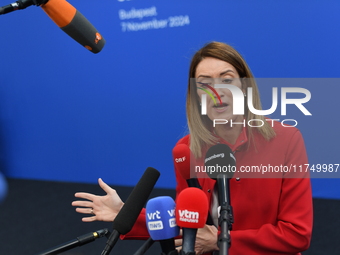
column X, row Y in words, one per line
column 67, row 114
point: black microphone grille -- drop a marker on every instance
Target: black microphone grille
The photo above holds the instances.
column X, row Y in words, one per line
column 220, row 159
column 128, row 215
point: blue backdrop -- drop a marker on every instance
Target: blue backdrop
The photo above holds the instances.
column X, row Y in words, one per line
column 67, row 114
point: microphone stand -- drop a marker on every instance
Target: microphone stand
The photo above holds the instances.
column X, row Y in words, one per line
column 226, row 214
column 81, row 240
column 144, row 247
column 168, row 247
column 188, row 245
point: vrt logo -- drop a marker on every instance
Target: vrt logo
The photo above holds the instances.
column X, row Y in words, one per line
column 155, row 215
column 172, row 223
column 238, row 100
column 171, row 212
column 155, row 225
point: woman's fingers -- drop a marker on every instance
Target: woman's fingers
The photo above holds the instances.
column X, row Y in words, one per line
column 85, row 210
column 89, row 219
column 85, row 195
column 178, row 242
column 104, row 186
column 82, row 203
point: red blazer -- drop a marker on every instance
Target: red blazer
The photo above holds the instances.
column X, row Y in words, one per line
column 271, row 215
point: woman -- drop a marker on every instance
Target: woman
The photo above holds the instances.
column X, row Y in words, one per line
column 271, row 215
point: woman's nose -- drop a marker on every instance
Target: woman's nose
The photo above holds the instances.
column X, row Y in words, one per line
column 220, row 92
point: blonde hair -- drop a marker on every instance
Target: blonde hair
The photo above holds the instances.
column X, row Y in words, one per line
column 200, row 125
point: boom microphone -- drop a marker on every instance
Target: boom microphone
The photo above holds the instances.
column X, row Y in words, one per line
column 161, row 223
column 220, row 158
column 18, row 5
column 68, row 18
column 191, row 214
column 128, row 214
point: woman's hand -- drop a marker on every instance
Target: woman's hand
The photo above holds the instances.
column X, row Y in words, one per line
column 102, row 208
column 206, row 240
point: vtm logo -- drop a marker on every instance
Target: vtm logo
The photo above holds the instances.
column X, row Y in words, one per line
column 238, row 102
column 187, row 216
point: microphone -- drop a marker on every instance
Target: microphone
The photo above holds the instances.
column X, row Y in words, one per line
column 183, row 163
column 191, row 214
column 68, row 18
column 161, row 223
column 183, row 159
column 221, row 159
column 81, row 240
column 222, row 164
column 128, row 214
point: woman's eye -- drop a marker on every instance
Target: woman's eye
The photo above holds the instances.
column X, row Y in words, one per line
column 227, row 81
column 203, row 84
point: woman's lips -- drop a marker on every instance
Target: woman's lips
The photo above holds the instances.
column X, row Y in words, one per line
column 220, row 107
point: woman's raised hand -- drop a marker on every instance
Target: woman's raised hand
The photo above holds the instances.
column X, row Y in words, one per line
column 101, row 208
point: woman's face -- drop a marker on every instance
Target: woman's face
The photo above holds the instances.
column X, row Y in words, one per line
column 212, row 71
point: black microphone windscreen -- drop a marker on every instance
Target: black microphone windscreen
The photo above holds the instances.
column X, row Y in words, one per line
column 72, row 22
column 128, row 215
column 220, row 159
column 82, row 31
